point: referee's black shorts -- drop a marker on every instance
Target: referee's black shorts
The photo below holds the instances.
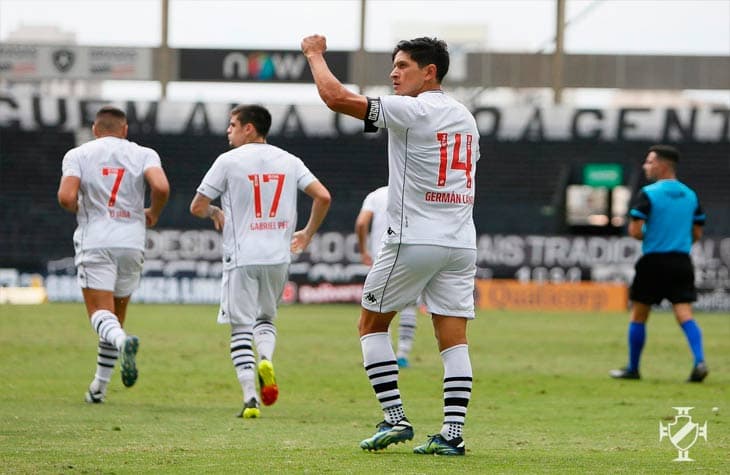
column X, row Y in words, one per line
column 664, row 276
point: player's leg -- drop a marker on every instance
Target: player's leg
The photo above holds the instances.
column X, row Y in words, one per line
column 97, row 275
column 382, row 371
column 244, row 362
column 450, row 298
column 113, row 343
column 646, row 289
column 636, row 338
column 271, row 285
column 239, row 307
column 265, row 337
column 120, row 308
column 100, row 307
column 406, row 333
column 457, row 387
column 395, row 280
column 682, row 293
column 106, row 358
column 693, row 333
column 129, row 271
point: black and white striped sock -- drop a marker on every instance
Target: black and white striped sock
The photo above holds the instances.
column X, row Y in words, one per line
column 457, row 389
column 243, row 359
column 106, row 358
column 382, row 370
column 107, row 326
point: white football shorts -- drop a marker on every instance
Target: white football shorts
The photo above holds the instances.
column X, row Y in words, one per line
column 442, row 276
column 116, row 270
column 251, row 293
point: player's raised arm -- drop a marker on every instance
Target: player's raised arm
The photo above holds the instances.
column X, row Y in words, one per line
column 336, row 96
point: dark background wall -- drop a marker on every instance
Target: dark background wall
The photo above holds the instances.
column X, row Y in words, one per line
column 520, row 184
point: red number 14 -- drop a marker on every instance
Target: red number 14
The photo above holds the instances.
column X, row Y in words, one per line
column 456, row 163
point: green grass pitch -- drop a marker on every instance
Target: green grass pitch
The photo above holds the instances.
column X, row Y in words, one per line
column 542, row 399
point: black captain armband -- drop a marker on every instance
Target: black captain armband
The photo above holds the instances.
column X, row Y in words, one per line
column 371, row 115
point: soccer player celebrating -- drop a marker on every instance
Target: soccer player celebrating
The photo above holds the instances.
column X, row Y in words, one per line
column 103, row 183
column 257, row 184
column 667, row 217
column 430, row 243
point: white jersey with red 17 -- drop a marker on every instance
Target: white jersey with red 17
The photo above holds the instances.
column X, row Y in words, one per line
column 258, row 185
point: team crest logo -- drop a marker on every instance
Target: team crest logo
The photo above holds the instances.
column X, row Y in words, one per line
column 63, row 59
column 683, row 433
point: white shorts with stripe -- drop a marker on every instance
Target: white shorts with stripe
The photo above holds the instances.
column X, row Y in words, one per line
column 115, row 270
column 442, row 276
column 251, row 293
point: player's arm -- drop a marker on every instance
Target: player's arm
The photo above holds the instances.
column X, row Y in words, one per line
column 159, row 194
column 320, row 205
column 201, row 208
column 336, row 96
column 636, row 228
column 362, row 228
column 68, row 193
column 697, row 231
column 638, row 214
column 698, row 221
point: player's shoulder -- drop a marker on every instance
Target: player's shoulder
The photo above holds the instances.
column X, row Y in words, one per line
column 688, row 189
column 76, row 151
column 139, row 149
column 379, row 192
column 279, row 153
column 85, row 149
column 447, row 105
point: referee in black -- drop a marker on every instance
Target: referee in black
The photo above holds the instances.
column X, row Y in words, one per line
column 667, row 217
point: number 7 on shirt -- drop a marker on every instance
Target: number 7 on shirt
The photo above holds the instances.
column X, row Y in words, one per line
column 119, row 172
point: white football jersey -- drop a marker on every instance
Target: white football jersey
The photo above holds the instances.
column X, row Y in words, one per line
column 433, row 148
column 377, row 203
column 112, row 192
column 258, row 185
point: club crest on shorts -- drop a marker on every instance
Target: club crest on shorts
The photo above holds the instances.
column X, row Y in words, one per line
column 683, row 433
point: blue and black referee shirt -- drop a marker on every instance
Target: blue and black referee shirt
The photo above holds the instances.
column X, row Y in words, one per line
column 670, row 209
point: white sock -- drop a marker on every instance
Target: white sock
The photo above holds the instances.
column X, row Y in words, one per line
column 406, row 331
column 264, row 337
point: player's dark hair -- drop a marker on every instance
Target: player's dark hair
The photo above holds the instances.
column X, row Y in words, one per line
column 253, row 114
column 425, row 51
column 110, row 119
column 667, row 152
